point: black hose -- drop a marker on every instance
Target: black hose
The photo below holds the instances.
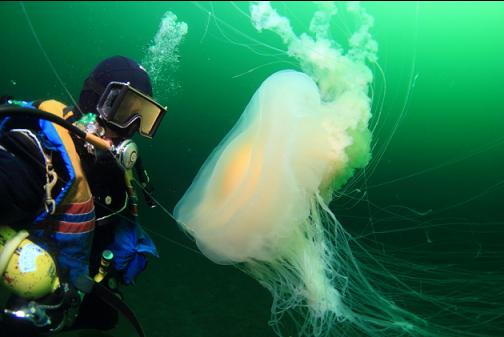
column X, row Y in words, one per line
column 14, row 110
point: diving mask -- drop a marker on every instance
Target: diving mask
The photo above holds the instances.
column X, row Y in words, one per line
column 121, row 105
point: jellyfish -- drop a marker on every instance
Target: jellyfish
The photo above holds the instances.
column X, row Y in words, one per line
column 261, row 199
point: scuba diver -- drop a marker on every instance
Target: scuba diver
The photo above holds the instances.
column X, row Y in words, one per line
column 69, row 233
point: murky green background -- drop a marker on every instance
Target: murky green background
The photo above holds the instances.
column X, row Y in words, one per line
column 434, row 191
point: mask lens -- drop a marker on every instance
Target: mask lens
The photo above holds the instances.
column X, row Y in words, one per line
column 128, row 109
column 151, row 116
column 122, row 106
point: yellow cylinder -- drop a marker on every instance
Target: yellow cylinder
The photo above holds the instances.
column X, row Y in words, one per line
column 105, row 261
column 29, row 271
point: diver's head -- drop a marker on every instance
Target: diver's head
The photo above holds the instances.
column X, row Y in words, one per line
column 119, row 91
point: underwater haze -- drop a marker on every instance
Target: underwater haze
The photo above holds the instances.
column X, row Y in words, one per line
column 423, row 213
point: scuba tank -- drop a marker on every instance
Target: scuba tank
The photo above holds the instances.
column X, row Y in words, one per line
column 25, row 268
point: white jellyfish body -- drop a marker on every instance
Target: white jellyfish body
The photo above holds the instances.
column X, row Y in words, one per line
column 261, row 178
column 256, row 199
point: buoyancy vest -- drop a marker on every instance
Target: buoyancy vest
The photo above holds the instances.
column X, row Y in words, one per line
column 70, row 227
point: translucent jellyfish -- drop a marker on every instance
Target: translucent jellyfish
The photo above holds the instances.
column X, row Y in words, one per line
column 260, row 201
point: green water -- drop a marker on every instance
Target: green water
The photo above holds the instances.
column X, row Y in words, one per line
column 433, row 193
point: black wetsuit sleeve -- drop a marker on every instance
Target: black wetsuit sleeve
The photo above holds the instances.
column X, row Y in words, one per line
column 21, row 189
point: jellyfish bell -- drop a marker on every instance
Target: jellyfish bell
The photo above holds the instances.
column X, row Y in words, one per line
column 259, row 180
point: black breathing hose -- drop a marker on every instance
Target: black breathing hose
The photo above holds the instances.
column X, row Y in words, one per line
column 14, row 110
